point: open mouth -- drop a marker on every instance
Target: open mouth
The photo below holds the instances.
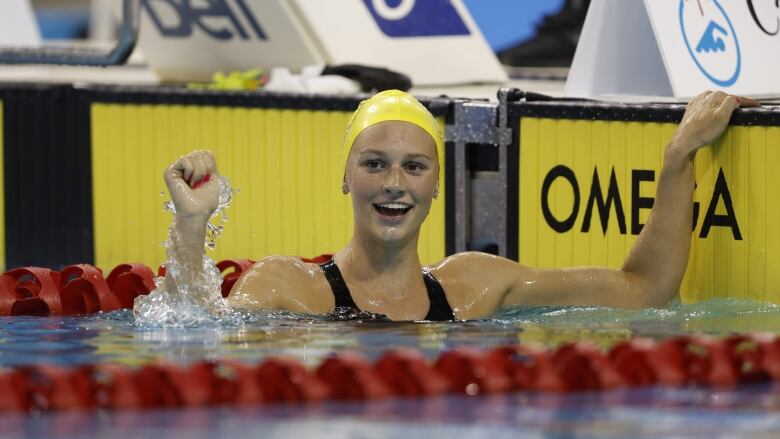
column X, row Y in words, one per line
column 392, row 210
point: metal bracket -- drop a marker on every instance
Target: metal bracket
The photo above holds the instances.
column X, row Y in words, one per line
column 507, row 95
column 475, row 122
column 85, row 56
column 478, row 123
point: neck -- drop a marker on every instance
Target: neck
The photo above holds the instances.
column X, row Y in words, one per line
column 368, row 258
column 379, row 270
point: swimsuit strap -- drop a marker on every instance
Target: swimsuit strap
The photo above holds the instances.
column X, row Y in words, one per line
column 439, row 310
column 337, row 284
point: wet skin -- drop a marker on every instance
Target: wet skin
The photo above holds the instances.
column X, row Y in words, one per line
column 391, row 175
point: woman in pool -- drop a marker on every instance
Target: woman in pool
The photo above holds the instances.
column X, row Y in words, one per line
column 391, row 152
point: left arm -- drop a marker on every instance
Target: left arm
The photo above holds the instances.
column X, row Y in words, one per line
column 652, row 272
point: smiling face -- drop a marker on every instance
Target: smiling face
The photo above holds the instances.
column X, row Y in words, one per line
column 392, row 173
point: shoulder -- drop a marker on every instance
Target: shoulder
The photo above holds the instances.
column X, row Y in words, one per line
column 468, row 265
column 282, row 282
column 475, row 283
column 285, row 265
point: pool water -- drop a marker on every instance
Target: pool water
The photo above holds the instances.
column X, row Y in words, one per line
column 656, row 411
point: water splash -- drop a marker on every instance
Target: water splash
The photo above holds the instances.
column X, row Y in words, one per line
column 197, row 299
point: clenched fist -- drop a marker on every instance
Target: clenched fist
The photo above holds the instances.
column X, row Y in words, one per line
column 193, row 184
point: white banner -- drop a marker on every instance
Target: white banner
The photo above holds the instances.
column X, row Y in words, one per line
column 190, row 40
column 18, row 26
column 678, row 48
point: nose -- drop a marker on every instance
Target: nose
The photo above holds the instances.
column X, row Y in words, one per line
column 394, row 182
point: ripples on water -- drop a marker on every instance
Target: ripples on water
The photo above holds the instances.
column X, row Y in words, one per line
column 658, row 412
column 714, row 315
column 119, row 337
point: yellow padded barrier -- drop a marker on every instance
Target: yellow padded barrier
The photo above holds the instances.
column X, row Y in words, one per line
column 736, row 240
column 2, row 190
column 285, row 165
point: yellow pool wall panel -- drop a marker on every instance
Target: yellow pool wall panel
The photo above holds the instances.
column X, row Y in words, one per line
column 284, row 165
column 737, row 256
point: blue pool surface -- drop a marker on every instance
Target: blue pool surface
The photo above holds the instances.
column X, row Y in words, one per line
column 650, row 412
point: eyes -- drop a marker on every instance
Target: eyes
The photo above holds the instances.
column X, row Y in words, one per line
column 374, row 164
column 412, row 166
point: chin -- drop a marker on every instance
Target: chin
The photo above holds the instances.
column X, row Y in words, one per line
column 393, row 234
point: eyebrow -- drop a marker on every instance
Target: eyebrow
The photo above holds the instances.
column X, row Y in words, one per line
column 382, row 153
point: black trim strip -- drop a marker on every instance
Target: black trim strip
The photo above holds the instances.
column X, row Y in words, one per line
column 449, row 198
column 449, row 184
column 653, row 112
column 513, row 191
column 182, row 96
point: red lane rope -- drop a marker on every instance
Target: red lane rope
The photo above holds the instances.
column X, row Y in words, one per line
column 82, row 289
column 681, row 361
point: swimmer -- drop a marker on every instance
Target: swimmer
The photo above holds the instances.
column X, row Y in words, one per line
column 391, row 172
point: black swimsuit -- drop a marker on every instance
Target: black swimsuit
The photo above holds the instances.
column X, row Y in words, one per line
column 439, row 311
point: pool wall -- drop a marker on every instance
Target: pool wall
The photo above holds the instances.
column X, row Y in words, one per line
column 83, row 172
column 585, row 178
column 82, row 182
column 283, row 156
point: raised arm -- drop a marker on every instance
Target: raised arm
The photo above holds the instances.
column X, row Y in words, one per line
column 652, row 272
column 194, row 187
column 275, row 282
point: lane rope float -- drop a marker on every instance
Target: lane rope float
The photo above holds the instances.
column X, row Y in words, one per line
column 397, row 373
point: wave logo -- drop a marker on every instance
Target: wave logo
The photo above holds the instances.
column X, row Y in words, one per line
column 417, row 18
column 711, row 41
column 717, row 53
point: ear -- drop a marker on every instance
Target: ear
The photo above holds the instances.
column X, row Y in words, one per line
column 436, row 192
column 344, row 187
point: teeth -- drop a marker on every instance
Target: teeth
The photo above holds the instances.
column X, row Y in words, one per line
column 399, row 206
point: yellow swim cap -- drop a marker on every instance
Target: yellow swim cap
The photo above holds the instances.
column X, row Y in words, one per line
column 390, row 105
